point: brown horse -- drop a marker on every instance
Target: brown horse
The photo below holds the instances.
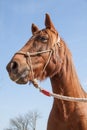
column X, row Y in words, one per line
column 46, row 55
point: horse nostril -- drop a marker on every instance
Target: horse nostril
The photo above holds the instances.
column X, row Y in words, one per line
column 14, row 67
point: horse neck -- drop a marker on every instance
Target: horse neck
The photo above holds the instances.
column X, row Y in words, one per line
column 68, row 86
column 66, row 83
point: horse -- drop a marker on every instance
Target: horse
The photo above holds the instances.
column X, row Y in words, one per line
column 44, row 55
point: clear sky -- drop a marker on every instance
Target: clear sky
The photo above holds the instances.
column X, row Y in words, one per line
column 16, row 17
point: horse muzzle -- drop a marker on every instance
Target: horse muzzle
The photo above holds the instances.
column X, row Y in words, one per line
column 19, row 74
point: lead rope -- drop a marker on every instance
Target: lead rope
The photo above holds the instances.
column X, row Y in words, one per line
column 50, row 94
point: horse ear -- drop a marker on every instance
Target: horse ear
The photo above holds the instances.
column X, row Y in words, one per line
column 34, row 29
column 48, row 22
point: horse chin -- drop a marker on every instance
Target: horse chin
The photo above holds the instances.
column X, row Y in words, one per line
column 20, row 78
column 22, row 81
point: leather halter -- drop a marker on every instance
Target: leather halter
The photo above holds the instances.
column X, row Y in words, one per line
column 28, row 56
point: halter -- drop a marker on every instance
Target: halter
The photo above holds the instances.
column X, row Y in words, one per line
column 28, row 56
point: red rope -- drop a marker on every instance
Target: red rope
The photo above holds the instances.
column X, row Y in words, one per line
column 45, row 92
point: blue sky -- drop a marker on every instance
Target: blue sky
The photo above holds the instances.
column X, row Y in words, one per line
column 16, row 17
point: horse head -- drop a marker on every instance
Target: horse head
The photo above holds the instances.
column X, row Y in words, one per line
column 40, row 56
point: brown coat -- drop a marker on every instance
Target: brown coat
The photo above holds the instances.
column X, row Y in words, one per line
column 56, row 63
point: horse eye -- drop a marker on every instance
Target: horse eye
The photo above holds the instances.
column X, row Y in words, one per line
column 43, row 39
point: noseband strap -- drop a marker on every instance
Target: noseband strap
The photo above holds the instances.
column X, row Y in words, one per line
column 26, row 54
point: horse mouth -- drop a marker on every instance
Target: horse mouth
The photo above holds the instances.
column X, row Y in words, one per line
column 21, row 78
